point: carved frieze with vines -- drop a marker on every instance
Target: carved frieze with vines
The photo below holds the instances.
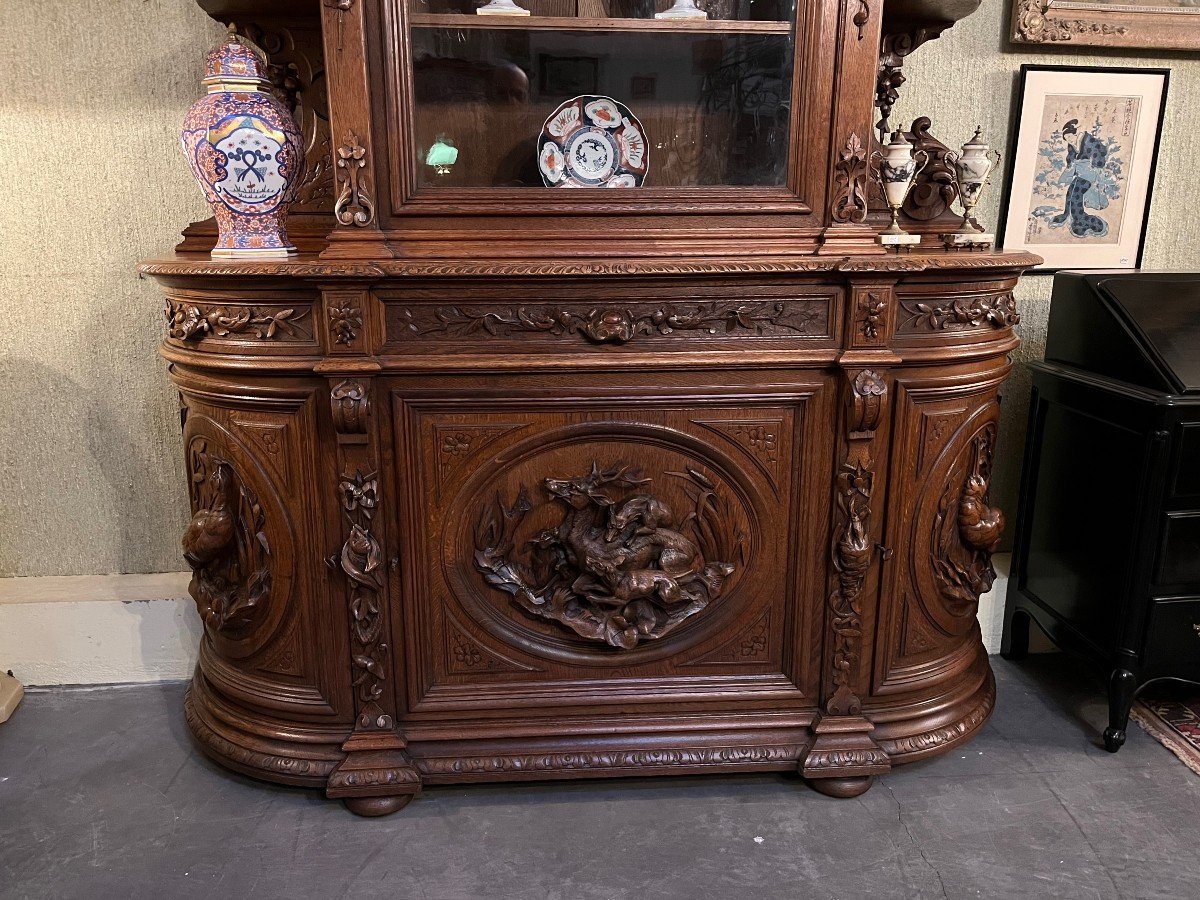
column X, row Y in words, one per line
column 196, row 321
column 997, row 310
column 617, row 324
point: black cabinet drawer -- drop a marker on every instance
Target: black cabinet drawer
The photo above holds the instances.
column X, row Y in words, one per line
column 1179, row 551
column 1173, row 638
column 1186, row 481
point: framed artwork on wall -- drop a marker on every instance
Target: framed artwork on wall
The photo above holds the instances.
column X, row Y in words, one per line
column 1083, row 162
column 1157, row 24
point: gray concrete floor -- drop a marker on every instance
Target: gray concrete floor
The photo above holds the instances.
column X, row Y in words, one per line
column 102, row 795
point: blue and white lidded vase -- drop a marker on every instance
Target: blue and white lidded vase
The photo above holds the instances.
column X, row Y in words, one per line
column 245, row 151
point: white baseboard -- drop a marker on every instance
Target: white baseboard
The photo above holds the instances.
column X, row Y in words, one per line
column 991, row 604
column 98, row 629
column 106, row 629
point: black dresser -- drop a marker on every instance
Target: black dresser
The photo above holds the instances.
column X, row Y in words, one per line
column 1107, row 552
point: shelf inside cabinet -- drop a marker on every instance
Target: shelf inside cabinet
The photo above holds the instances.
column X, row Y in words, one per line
column 573, row 23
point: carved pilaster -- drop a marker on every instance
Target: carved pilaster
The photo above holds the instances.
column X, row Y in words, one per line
column 377, row 776
column 859, row 31
column 843, row 750
column 357, row 233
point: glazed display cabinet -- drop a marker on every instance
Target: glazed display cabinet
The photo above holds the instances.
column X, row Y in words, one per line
column 645, row 460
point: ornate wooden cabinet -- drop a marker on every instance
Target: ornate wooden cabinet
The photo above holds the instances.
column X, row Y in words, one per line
column 496, row 481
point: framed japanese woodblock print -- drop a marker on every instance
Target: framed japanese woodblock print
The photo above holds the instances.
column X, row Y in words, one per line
column 1083, row 164
column 1157, row 24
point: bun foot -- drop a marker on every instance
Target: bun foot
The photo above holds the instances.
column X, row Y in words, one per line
column 1114, row 739
column 842, row 788
column 377, row 806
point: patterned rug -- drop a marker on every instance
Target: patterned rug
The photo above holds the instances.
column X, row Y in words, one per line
column 1173, row 719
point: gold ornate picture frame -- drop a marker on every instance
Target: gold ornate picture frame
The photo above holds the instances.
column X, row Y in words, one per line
column 1157, row 24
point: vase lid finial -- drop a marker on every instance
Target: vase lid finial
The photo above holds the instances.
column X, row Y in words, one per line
column 234, row 61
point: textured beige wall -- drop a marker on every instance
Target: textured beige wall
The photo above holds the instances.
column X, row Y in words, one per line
column 968, row 77
column 91, row 94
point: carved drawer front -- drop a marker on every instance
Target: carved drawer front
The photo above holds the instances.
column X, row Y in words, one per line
column 668, row 320
column 250, row 482
column 279, row 322
column 928, row 313
column 560, row 547
column 943, row 531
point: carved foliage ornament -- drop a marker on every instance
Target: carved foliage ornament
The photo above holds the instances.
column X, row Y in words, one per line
column 997, row 310
column 872, row 309
column 966, row 531
column 345, row 320
column 226, row 546
column 853, row 548
column 361, row 561
column 1036, row 25
column 194, row 321
column 619, row 568
column 354, row 205
column 850, row 201
column 614, row 325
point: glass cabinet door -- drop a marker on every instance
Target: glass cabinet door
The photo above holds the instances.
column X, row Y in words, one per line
column 601, row 94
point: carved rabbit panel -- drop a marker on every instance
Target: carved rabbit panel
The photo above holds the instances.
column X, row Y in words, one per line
column 589, row 545
column 251, row 587
column 943, row 473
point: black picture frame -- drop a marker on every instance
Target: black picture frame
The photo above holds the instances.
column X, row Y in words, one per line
column 1016, row 151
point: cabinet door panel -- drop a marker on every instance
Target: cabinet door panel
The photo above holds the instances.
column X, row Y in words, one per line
column 942, row 529
column 638, row 547
column 258, row 572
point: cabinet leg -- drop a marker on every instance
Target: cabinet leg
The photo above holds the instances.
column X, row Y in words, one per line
column 377, row 806
column 1014, row 644
column 1122, row 685
column 842, row 788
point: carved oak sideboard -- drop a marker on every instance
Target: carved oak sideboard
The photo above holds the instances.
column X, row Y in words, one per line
column 701, row 487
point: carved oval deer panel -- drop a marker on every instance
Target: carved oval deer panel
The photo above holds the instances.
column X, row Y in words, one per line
column 596, row 542
column 956, row 531
column 237, row 542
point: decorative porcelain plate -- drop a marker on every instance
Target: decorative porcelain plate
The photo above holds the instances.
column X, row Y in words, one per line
column 592, row 141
